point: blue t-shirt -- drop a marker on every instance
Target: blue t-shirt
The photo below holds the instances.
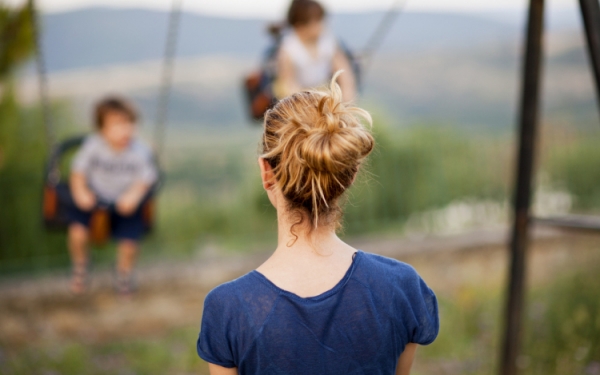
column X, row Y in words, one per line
column 360, row 326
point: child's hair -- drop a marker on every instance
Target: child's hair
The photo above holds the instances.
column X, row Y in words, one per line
column 302, row 12
column 114, row 104
column 315, row 145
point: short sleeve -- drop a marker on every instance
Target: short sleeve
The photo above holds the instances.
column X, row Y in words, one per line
column 83, row 158
column 214, row 345
column 425, row 308
column 148, row 172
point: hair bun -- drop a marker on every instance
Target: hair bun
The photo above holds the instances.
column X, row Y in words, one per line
column 315, row 144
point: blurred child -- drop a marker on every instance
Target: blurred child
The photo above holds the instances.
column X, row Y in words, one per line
column 113, row 168
column 309, row 53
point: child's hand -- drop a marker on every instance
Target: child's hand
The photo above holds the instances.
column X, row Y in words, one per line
column 84, row 199
column 127, row 204
column 131, row 199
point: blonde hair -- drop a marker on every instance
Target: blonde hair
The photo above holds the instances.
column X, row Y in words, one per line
column 315, row 144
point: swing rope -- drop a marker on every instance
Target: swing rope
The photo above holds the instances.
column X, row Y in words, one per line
column 162, row 114
column 40, row 64
column 382, row 30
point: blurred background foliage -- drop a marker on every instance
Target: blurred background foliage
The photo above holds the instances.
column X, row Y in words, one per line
column 16, row 37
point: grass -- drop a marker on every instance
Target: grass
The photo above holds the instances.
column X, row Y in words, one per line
column 173, row 353
column 562, row 328
column 563, row 334
column 469, row 331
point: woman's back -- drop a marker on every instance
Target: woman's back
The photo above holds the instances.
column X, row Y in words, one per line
column 360, row 326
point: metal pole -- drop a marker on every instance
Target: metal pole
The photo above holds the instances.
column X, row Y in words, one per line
column 590, row 12
column 522, row 198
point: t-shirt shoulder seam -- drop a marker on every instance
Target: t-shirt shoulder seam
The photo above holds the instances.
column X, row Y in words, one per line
column 397, row 263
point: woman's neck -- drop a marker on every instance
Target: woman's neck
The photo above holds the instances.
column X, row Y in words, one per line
column 294, row 235
column 310, row 264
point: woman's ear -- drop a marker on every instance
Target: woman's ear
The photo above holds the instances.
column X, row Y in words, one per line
column 266, row 173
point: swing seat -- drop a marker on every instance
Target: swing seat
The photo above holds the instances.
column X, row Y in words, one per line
column 56, row 204
column 259, row 96
column 58, row 201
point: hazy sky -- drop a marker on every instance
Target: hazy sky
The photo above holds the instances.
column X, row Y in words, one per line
column 274, row 8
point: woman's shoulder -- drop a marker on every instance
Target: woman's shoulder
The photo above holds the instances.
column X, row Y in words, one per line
column 243, row 303
column 388, row 277
column 399, row 286
column 232, row 287
column 235, row 293
column 388, row 267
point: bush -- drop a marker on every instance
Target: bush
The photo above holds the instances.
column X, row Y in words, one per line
column 576, row 167
column 563, row 325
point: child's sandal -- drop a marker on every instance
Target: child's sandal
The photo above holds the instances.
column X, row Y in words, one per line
column 125, row 285
column 79, row 279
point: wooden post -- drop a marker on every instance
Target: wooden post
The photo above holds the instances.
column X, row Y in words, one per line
column 522, row 199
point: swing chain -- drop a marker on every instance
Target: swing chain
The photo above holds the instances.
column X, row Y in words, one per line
column 381, row 31
column 42, row 79
column 167, row 78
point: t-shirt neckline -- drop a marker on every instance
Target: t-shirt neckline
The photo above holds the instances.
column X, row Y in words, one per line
column 355, row 259
column 110, row 149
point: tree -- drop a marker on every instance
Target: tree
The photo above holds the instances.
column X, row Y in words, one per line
column 23, row 243
column 17, row 34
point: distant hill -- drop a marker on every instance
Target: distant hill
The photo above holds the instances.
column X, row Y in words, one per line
column 94, row 37
column 468, row 87
column 458, row 69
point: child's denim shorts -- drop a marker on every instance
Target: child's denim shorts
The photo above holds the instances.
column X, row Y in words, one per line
column 121, row 227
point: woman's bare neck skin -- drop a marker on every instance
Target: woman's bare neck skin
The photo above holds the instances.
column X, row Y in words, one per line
column 309, row 265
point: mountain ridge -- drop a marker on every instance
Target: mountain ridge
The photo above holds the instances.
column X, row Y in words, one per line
column 98, row 36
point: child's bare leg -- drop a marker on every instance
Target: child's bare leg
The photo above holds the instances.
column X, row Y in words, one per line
column 126, row 257
column 127, row 254
column 78, row 241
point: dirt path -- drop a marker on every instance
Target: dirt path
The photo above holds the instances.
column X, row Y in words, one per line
column 171, row 295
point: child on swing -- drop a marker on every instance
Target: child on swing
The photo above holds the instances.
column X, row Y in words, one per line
column 112, row 167
column 317, row 305
column 309, row 52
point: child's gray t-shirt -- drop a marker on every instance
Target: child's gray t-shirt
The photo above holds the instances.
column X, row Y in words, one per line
column 110, row 173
